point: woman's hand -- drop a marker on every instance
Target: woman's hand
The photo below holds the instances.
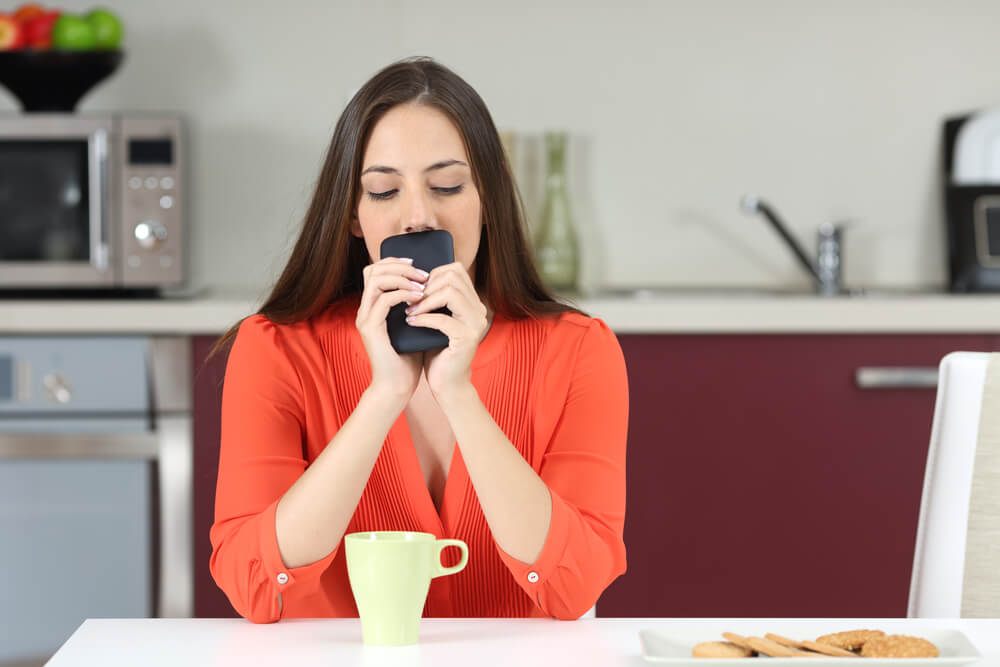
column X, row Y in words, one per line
column 389, row 282
column 449, row 285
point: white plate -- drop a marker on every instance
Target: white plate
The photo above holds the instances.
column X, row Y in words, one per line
column 671, row 642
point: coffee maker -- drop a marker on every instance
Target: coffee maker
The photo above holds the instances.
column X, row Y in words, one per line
column 972, row 201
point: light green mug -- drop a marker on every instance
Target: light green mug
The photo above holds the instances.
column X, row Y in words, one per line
column 390, row 573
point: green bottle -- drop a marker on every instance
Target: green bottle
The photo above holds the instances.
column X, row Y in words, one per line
column 556, row 250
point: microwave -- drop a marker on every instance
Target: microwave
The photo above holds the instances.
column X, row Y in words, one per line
column 91, row 202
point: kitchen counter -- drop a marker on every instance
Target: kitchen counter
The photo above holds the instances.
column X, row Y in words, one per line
column 206, row 312
column 444, row 642
column 694, row 311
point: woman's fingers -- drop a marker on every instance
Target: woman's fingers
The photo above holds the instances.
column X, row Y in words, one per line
column 450, row 286
column 403, row 267
column 380, row 310
column 453, row 273
column 388, row 274
column 446, row 296
column 449, row 326
column 390, row 283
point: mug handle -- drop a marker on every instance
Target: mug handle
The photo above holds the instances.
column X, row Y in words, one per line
column 440, row 570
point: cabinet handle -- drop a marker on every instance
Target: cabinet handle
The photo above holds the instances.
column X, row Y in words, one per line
column 896, row 377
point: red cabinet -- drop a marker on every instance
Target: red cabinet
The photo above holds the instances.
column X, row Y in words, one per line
column 209, row 600
column 762, row 481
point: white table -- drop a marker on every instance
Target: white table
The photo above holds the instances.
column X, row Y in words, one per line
column 443, row 642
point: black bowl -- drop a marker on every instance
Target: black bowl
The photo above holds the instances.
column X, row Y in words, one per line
column 55, row 80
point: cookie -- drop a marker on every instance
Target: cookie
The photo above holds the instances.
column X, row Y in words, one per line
column 720, row 650
column 785, row 641
column 771, row 648
column 899, row 646
column 850, row 641
column 826, row 649
column 739, row 640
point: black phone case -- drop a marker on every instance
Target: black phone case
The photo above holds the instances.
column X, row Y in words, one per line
column 428, row 250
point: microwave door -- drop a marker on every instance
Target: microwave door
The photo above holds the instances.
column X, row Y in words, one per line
column 55, row 210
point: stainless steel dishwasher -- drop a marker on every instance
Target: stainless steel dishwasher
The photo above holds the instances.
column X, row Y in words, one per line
column 95, row 485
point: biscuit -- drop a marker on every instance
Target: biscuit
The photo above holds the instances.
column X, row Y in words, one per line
column 783, row 640
column 899, row 646
column 850, row 641
column 826, row 649
column 739, row 640
column 720, row 650
column 771, row 648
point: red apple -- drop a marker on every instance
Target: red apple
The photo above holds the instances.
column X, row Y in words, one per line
column 11, row 34
column 38, row 31
column 27, row 12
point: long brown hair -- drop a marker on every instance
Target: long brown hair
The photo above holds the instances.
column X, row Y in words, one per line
column 327, row 261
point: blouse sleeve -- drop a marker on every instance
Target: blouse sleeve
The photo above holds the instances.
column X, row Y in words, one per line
column 261, row 456
column 584, row 469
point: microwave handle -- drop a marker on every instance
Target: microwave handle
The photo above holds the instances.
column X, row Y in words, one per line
column 100, row 208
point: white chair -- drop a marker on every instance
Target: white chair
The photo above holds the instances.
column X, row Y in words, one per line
column 939, row 559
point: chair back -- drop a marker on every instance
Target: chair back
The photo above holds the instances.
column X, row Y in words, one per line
column 939, row 559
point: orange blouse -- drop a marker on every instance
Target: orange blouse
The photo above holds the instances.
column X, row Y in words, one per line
column 556, row 387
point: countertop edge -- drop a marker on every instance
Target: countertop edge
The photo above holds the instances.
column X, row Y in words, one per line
column 680, row 315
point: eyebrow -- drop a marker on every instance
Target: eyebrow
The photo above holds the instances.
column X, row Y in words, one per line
column 381, row 169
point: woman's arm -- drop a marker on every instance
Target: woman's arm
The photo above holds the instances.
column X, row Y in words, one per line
column 313, row 515
column 515, row 500
column 260, row 458
column 278, row 518
column 559, row 531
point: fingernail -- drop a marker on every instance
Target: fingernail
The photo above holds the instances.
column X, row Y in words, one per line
column 407, row 259
column 409, row 303
column 423, row 274
column 419, row 286
column 409, row 319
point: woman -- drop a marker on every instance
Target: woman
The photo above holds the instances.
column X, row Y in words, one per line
column 512, row 438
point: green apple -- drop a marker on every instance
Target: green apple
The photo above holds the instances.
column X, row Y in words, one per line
column 107, row 28
column 72, row 33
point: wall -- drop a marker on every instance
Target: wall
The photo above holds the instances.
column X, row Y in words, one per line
column 828, row 109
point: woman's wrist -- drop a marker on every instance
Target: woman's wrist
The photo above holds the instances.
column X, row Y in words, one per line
column 455, row 397
column 388, row 396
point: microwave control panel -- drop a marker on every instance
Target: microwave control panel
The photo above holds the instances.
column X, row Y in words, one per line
column 152, row 210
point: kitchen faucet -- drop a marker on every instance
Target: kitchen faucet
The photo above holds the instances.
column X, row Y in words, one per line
column 826, row 270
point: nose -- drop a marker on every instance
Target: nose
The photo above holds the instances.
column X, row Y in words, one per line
column 417, row 213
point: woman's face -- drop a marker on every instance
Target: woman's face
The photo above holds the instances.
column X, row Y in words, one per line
column 415, row 176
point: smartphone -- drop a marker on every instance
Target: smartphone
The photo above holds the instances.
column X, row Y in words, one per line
column 428, row 250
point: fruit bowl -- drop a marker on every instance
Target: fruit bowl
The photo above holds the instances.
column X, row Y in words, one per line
column 55, row 80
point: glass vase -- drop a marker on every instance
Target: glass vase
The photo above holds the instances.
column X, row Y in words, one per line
column 556, row 247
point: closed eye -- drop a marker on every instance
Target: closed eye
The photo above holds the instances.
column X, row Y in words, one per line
column 380, row 196
column 377, row 196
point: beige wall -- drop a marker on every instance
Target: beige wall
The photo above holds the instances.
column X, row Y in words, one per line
column 830, row 109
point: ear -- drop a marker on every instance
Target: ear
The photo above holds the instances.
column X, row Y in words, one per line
column 356, row 227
